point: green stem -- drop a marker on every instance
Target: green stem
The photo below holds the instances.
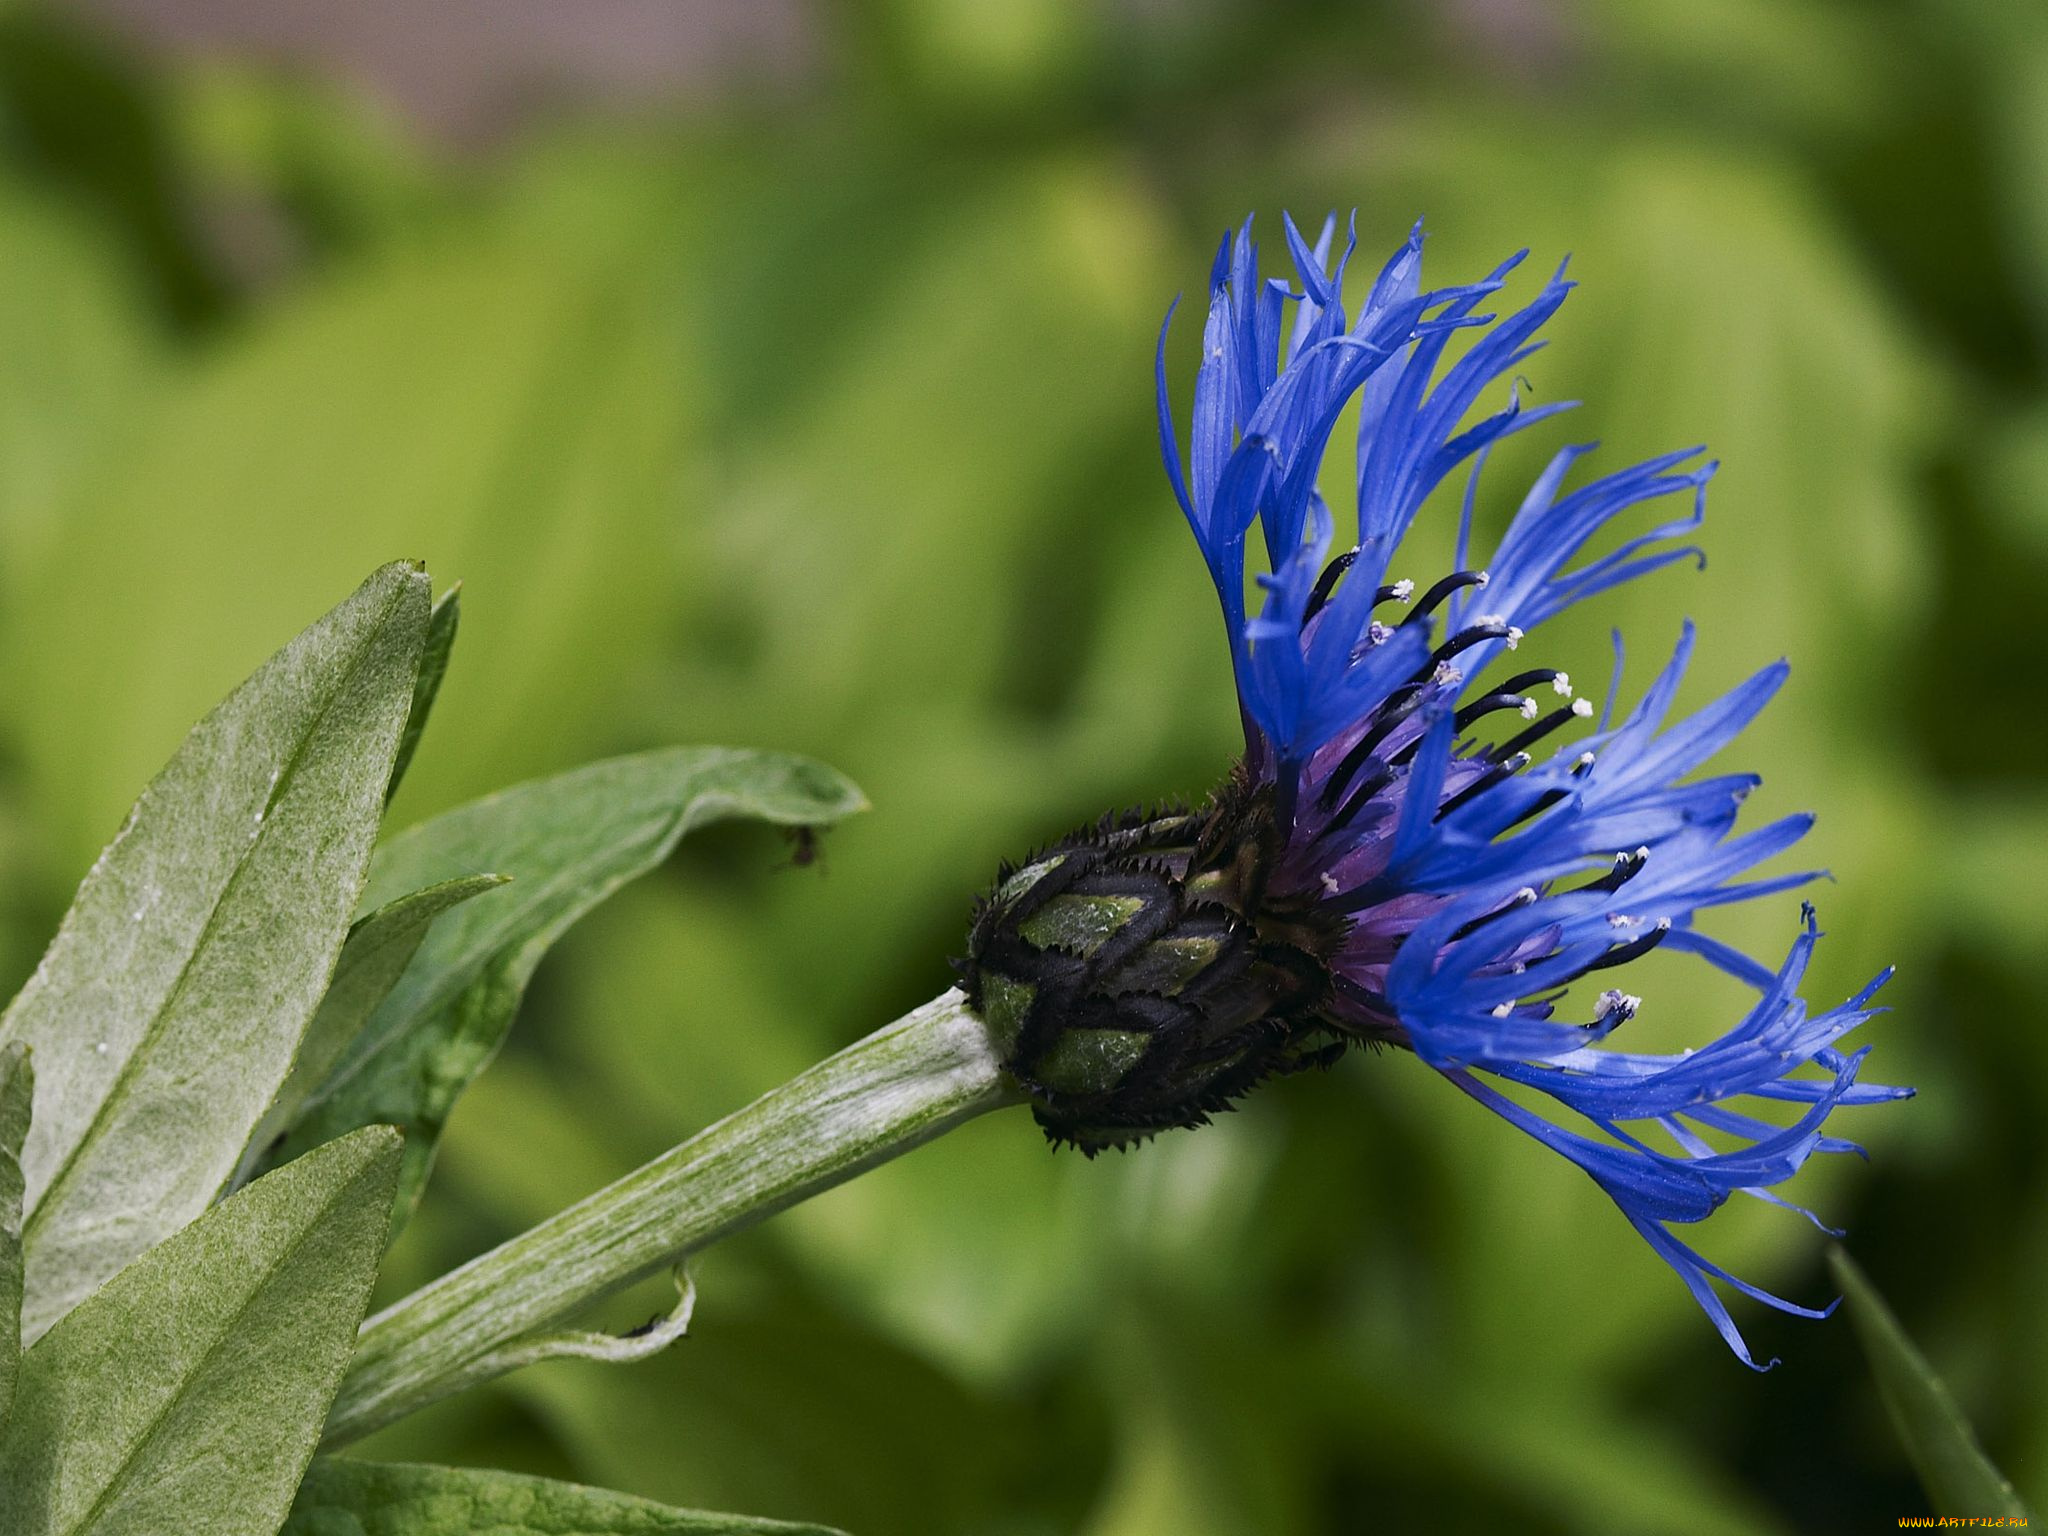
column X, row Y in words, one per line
column 904, row 1084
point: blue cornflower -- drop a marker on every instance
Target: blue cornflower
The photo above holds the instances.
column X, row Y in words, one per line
column 1377, row 869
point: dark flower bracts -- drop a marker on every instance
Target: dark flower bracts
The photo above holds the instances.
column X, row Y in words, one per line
column 1427, row 844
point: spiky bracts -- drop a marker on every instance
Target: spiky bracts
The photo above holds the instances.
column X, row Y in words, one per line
column 1138, row 977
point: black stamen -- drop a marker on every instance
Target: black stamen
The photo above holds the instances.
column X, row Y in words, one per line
column 1463, row 640
column 1535, row 733
column 1485, row 781
column 1327, row 583
column 1537, row 807
column 1514, row 903
column 1406, row 755
column 1443, row 589
column 1621, row 954
column 1479, row 708
column 1397, row 706
column 1536, row 677
column 1626, row 867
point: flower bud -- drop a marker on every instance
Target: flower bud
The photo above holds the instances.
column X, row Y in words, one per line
column 1137, row 977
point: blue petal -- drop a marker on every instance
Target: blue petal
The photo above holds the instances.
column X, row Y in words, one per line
column 1496, row 884
column 1607, row 1088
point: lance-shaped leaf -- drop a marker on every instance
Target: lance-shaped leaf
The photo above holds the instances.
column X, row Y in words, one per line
column 367, row 1498
column 378, row 950
column 168, row 1008
column 17, row 1089
column 1958, row 1478
column 187, row 1393
column 567, row 843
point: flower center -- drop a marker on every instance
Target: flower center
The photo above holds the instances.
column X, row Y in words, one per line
column 1354, row 792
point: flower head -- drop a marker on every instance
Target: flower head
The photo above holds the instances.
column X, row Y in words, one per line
column 1425, row 845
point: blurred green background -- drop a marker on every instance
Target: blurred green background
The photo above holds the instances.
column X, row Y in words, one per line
column 779, row 374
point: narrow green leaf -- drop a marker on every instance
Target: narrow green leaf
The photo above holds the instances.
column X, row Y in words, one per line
column 367, row 1498
column 168, row 1009
column 1957, row 1476
column 441, row 626
column 567, row 842
column 17, row 1090
column 378, row 949
column 187, row 1393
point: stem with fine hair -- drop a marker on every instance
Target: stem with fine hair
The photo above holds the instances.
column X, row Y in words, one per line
column 906, row 1083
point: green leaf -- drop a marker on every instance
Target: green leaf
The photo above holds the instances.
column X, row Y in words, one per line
column 378, row 950
column 1957, row 1476
column 366, row 1498
column 186, row 1395
column 17, row 1089
column 168, row 1009
column 441, row 626
column 567, row 842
